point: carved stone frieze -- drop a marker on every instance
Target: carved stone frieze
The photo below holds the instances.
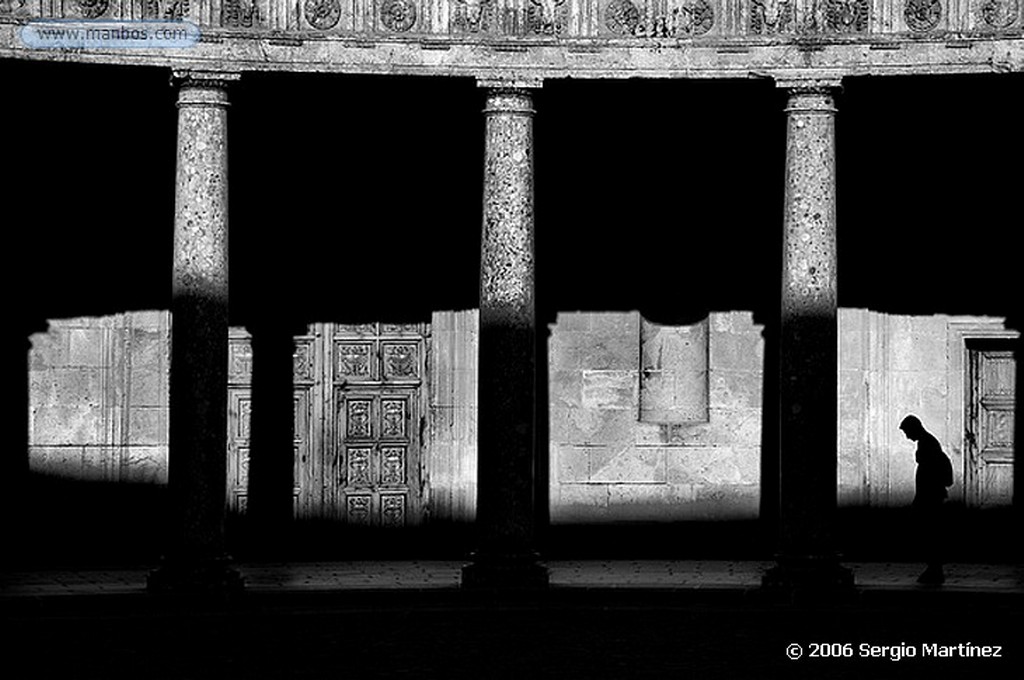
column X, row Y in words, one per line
column 177, row 9
column 92, row 9
column 322, row 14
column 398, row 15
column 846, row 16
column 548, row 17
column 10, row 6
column 922, row 15
column 672, row 20
column 474, row 16
column 150, row 9
column 771, row 17
column 1000, row 13
column 239, row 13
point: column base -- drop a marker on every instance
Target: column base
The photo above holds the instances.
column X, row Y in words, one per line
column 813, row 576
column 504, row 572
column 215, row 576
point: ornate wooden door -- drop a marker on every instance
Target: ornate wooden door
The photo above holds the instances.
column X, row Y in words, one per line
column 990, row 424
column 372, row 465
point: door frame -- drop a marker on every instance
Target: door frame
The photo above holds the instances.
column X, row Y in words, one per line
column 964, row 332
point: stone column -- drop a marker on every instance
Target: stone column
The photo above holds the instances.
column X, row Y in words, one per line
column 15, row 478
column 507, row 354
column 272, row 448
column 808, row 346
column 196, row 558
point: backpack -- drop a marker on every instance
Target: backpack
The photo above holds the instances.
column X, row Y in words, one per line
column 947, row 471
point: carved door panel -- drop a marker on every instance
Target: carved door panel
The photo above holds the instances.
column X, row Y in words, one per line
column 373, row 470
column 991, row 424
column 239, row 429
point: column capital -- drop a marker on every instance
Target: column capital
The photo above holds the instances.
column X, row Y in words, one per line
column 810, row 83
column 510, row 83
column 215, row 81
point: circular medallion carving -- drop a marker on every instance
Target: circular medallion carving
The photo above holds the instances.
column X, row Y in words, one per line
column 322, row 14
column 922, row 15
column 1000, row 13
column 398, row 15
column 622, row 17
column 91, row 9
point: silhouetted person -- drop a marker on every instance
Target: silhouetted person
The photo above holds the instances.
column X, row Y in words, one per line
column 934, row 474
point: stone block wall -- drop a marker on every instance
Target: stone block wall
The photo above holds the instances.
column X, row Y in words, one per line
column 608, row 464
column 98, row 402
column 450, row 449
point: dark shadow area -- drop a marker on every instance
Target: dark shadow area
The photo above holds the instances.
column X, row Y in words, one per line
column 73, row 523
column 354, row 199
column 925, row 186
column 884, row 534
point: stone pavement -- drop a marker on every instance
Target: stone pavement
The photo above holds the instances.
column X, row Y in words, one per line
column 600, row 619
column 720, row 575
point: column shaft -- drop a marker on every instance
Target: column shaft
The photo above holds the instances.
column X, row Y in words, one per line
column 808, row 343
column 272, row 450
column 199, row 340
column 507, row 372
